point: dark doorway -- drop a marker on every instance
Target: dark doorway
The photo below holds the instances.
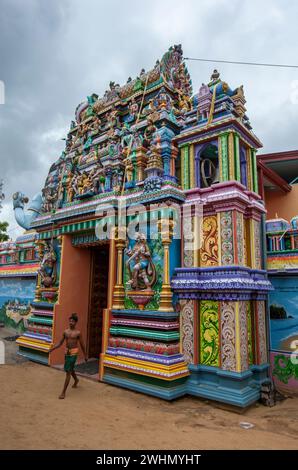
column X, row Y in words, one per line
column 98, row 298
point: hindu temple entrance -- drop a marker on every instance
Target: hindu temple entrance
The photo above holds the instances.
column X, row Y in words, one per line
column 97, row 298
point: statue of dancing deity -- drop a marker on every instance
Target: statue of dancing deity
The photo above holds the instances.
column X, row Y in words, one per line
column 140, row 265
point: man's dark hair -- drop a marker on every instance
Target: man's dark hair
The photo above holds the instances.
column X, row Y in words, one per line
column 74, row 317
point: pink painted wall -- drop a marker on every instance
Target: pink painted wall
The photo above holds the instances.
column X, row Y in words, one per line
column 284, row 204
column 73, row 295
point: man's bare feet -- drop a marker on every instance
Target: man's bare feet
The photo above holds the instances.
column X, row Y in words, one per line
column 75, row 383
column 62, row 396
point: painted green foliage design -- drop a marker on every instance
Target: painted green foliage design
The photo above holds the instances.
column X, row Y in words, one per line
column 284, row 369
column 209, row 333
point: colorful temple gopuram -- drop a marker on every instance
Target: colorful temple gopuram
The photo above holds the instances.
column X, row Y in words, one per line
column 151, row 227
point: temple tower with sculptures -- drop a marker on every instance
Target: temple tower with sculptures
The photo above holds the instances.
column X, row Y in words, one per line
column 150, row 227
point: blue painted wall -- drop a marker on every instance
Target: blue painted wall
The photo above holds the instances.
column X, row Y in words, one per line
column 285, row 295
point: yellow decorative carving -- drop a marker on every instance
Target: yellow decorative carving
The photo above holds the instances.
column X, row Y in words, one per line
column 209, row 250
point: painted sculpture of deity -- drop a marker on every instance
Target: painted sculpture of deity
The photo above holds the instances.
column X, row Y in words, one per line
column 140, row 265
column 184, row 102
column 97, row 177
column 129, row 169
column 126, row 135
column 82, row 132
column 149, row 132
column 50, row 196
column 48, row 267
column 84, row 183
column 96, row 124
column 133, row 110
column 113, row 119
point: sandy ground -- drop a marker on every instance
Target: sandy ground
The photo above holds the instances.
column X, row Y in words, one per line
column 99, row 416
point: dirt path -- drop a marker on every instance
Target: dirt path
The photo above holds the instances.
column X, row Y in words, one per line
column 99, row 416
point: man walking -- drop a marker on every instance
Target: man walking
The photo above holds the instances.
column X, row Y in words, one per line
column 72, row 336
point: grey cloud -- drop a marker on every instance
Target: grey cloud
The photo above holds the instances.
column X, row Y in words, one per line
column 55, row 53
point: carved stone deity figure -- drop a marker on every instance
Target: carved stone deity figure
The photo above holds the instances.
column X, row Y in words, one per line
column 113, row 119
column 113, row 92
column 113, row 143
column 71, row 188
column 128, row 166
column 126, row 135
column 96, row 124
column 184, row 102
column 84, row 183
column 96, row 175
column 82, row 132
column 140, row 265
column 133, row 110
column 137, row 139
column 149, row 132
column 48, row 266
column 163, row 100
column 50, row 196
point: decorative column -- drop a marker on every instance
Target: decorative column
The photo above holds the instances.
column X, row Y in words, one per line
column 40, row 248
column 260, row 329
column 141, row 163
column 242, row 340
column 166, row 135
column 186, row 167
column 167, row 167
column 189, row 330
column 237, row 157
column 174, row 154
column 249, row 170
column 254, row 170
column 166, row 231
column 197, row 151
column 223, row 157
column 119, row 292
column 108, row 179
column 192, row 182
column 231, row 156
column 234, row 336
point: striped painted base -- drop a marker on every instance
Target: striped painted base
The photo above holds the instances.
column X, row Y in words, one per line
column 150, row 369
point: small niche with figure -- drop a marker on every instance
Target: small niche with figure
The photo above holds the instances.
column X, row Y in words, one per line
column 209, row 166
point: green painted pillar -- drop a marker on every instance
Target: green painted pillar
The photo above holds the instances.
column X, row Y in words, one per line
column 254, row 170
column 237, row 157
column 186, row 167
column 224, row 157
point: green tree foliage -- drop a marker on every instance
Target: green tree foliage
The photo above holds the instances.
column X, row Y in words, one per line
column 3, row 232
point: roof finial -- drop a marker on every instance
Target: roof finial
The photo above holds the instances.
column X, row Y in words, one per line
column 215, row 75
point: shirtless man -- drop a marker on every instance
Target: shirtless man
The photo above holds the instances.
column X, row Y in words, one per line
column 72, row 338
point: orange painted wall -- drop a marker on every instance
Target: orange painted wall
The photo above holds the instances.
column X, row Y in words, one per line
column 73, row 294
column 284, row 204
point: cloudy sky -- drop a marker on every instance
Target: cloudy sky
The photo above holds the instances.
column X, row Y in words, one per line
column 53, row 53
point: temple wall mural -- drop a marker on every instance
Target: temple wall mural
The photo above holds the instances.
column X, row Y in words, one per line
column 18, row 269
column 15, row 297
column 282, row 265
